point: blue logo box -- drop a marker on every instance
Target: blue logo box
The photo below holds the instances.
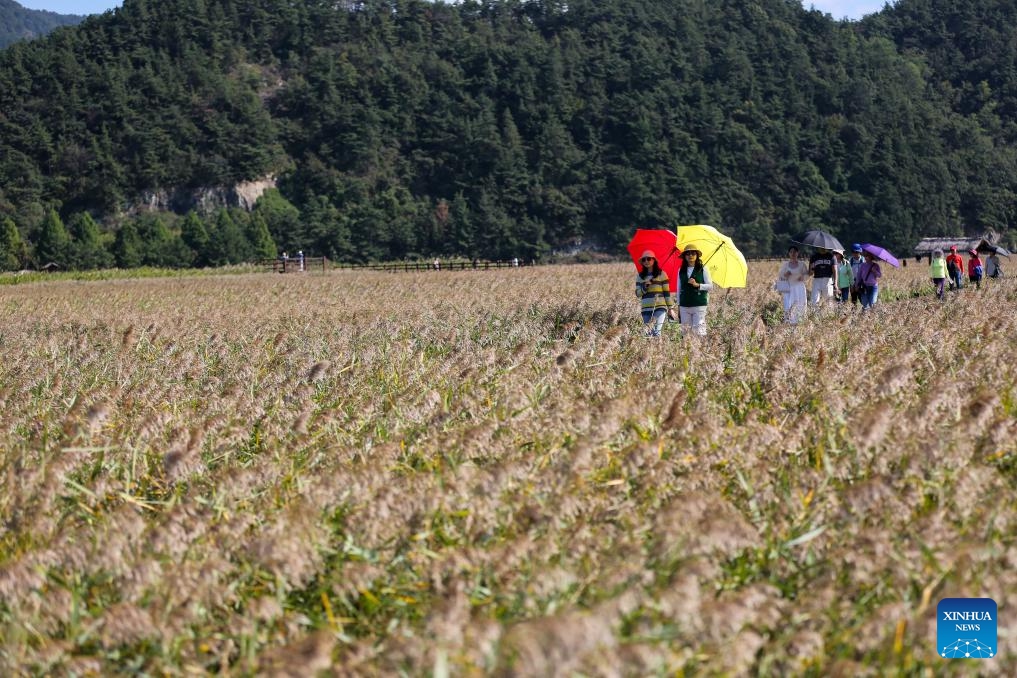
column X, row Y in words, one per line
column 966, row 628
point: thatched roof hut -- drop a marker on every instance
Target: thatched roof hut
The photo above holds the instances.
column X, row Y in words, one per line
column 983, row 243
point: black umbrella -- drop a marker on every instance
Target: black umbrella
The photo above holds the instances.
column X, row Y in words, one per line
column 820, row 239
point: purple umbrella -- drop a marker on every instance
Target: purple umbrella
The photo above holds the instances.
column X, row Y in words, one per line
column 880, row 253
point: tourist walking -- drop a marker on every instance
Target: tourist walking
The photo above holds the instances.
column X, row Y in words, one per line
column 654, row 293
column 937, row 271
column 868, row 279
column 845, row 277
column 975, row 269
column 993, row 269
column 856, row 260
column 821, row 266
column 954, row 268
column 694, row 285
column 794, row 272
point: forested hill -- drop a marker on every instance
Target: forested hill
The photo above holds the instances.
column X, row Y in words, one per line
column 19, row 23
column 504, row 128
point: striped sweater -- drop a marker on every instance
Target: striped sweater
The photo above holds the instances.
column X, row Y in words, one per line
column 654, row 292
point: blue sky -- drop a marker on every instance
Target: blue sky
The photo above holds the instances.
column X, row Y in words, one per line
column 852, row 9
column 71, row 6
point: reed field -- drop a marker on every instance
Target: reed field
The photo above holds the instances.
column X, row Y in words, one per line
column 494, row 472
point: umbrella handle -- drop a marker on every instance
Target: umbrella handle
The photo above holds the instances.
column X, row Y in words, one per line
column 669, row 255
column 707, row 260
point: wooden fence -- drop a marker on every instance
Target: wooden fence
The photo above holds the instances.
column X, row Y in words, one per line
column 321, row 264
column 295, row 264
column 439, row 266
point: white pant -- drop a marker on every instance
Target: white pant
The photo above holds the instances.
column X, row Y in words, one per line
column 693, row 318
column 822, row 288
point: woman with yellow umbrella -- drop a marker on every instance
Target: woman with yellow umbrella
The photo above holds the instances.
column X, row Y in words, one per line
column 694, row 285
column 720, row 257
column 709, row 258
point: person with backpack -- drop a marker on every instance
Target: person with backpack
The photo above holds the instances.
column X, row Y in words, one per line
column 653, row 288
column 975, row 269
column 694, row 285
column 954, row 268
column 937, row 271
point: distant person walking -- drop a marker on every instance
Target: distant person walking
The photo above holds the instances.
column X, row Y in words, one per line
column 992, row 266
column 821, row 266
column 869, row 274
column 694, row 287
column 975, row 269
column 937, row 271
column 954, row 268
column 653, row 288
column 856, row 260
column 845, row 277
column 795, row 273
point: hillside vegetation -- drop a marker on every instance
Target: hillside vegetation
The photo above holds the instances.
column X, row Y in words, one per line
column 258, row 473
column 21, row 23
column 404, row 128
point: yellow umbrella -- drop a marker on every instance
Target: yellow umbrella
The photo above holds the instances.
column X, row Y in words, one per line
column 721, row 258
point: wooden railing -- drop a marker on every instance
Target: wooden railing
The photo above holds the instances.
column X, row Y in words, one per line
column 439, row 266
column 295, row 264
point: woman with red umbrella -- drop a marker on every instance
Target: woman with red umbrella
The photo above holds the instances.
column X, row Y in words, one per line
column 653, row 288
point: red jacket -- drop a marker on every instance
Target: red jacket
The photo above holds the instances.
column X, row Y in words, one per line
column 972, row 262
column 957, row 260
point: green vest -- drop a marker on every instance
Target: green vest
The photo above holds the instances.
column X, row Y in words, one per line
column 687, row 294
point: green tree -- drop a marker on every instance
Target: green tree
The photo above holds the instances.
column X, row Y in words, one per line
column 281, row 217
column 88, row 249
column 262, row 245
column 226, row 241
column 54, row 242
column 128, row 248
column 164, row 246
column 195, row 236
column 13, row 249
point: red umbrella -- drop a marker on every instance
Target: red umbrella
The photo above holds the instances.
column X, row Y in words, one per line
column 664, row 245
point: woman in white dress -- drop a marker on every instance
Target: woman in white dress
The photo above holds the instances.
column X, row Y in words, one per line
column 795, row 272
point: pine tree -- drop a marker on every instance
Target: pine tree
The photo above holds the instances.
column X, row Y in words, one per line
column 282, row 218
column 195, row 237
column 54, row 243
column 13, row 250
column 88, row 251
column 128, row 248
column 164, row 246
column 259, row 238
column 226, row 241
